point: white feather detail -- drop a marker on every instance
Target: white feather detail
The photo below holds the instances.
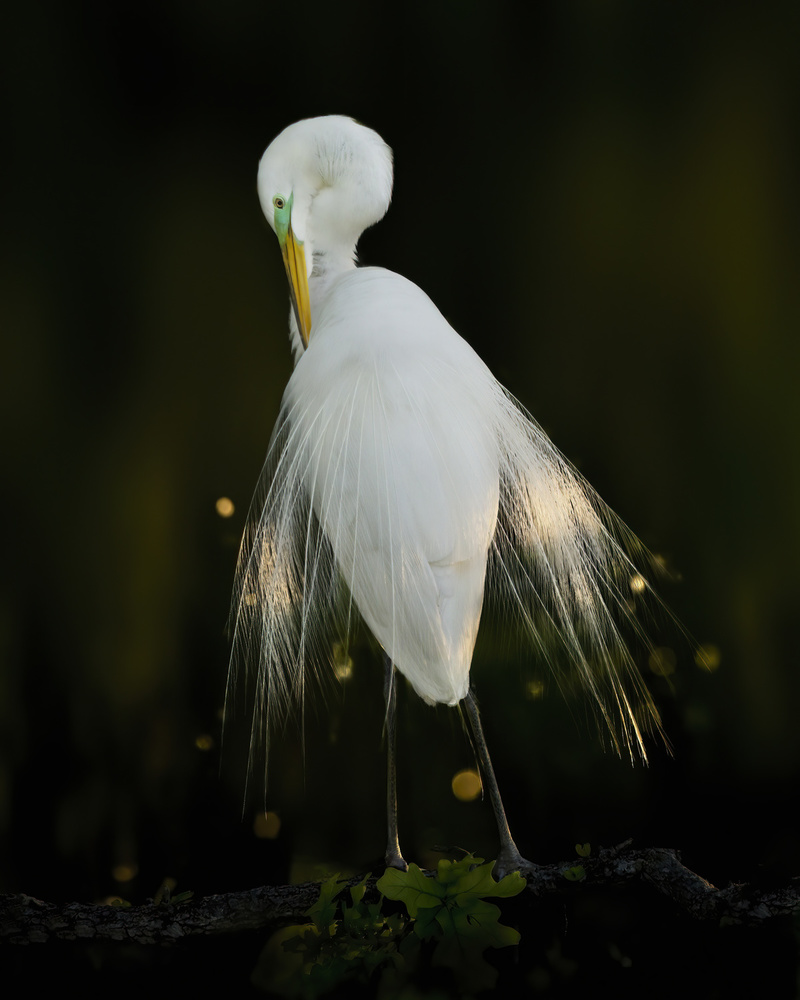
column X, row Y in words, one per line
column 401, row 479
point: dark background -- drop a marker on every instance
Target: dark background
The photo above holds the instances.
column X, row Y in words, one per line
column 602, row 198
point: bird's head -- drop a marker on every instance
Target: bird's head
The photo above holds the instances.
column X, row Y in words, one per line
column 321, row 183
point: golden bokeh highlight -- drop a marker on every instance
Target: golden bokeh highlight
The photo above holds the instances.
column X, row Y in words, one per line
column 708, row 657
column 224, row 507
column 467, row 785
column 125, row 872
column 663, row 661
column 638, row 584
column 204, row 742
column 342, row 662
column 534, row 689
column 266, row 826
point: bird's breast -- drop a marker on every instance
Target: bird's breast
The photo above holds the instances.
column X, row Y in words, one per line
column 389, row 394
column 401, row 462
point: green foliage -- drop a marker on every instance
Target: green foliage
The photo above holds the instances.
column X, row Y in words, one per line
column 451, row 909
column 341, row 942
column 577, row 873
column 448, row 918
column 166, row 896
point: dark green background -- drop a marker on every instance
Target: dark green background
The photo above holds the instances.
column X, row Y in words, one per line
column 602, row 198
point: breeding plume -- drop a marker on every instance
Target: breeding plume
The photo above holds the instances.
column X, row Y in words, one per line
column 404, row 485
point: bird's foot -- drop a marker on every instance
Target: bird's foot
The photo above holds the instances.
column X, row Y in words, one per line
column 394, row 859
column 510, row 860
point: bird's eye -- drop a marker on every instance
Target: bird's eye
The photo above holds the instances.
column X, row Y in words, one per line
column 279, row 202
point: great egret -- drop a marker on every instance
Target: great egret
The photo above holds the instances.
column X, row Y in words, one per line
column 402, row 478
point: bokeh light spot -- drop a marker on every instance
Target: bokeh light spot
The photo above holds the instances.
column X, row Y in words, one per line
column 342, row 662
column 708, row 656
column 467, row 785
column 534, row 689
column 663, row 661
column 638, row 583
column 267, row 825
column 125, row 872
column 225, row 507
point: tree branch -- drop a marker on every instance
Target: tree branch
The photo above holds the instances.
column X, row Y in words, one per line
column 25, row 920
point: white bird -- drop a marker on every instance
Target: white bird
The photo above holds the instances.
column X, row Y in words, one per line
column 402, row 478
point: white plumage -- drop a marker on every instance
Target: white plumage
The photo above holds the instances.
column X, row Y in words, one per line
column 401, row 472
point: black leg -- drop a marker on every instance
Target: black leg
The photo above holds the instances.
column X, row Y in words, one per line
column 394, row 859
column 509, row 859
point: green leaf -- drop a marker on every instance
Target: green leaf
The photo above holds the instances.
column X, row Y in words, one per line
column 357, row 891
column 182, row 897
column 351, row 941
column 577, row 873
column 323, row 911
column 583, row 850
column 465, row 936
column 412, row 888
column 451, row 909
column 451, row 871
column 480, row 882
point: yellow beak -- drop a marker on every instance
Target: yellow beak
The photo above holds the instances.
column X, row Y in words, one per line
column 294, row 260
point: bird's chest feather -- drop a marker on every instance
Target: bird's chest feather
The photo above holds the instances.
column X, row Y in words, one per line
column 397, row 452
